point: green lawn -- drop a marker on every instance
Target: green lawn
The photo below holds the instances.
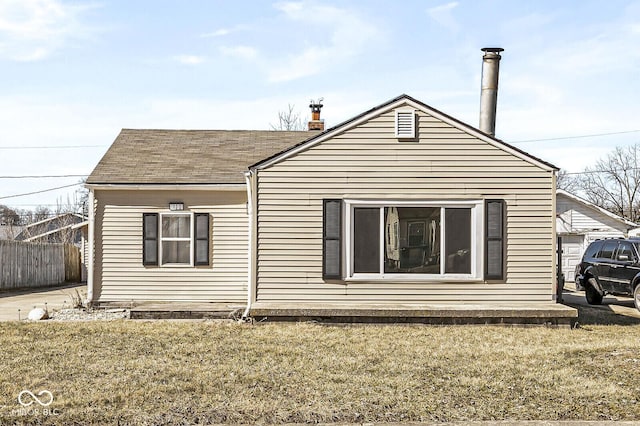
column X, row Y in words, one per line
column 204, row 372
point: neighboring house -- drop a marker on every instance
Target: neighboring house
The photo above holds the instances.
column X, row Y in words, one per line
column 62, row 228
column 400, row 205
column 69, row 228
column 580, row 222
column 10, row 232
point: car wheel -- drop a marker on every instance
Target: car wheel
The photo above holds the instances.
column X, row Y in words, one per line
column 636, row 297
column 593, row 297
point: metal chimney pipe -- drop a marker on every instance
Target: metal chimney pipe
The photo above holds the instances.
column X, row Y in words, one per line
column 489, row 93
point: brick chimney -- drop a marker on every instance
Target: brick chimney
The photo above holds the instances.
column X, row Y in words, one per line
column 316, row 123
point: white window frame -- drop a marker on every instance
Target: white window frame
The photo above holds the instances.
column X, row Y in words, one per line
column 161, row 239
column 477, row 241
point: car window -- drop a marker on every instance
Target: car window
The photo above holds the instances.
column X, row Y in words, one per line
column 607, row 250
column 625, row 252
column 593, row 249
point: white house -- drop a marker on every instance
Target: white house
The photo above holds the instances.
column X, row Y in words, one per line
column 578, row 223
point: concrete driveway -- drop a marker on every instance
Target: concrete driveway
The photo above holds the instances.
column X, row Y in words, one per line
column 617, row 309
column 16, row 305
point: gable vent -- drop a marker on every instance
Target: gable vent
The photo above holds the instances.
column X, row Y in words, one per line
column 406, row 124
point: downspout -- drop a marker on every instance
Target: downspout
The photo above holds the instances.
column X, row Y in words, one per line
column 250, row 251
column 91, row 238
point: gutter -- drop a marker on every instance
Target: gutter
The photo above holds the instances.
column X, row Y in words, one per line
column 248, row 180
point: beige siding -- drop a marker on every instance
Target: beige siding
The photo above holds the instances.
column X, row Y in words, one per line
column 367, row 162
column 119, row 273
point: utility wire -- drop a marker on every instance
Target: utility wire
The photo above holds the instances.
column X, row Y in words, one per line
column 40, row 176
column 576, row 137
column 53, row 147
column 39, row 192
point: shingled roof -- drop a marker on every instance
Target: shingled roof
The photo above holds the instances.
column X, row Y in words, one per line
column 188, row 156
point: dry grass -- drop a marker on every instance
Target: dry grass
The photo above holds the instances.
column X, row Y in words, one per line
column 129, row 372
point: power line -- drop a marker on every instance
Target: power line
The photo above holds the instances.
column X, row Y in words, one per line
column 576, row 137
column 53, row 147
column 39, row 192
column 40, row 176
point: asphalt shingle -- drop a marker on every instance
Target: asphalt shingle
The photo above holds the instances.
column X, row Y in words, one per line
column 142, row 156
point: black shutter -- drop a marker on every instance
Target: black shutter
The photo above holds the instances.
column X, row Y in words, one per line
column 201, row 239
column 149, row 239
column 331, row 239
column 494, row 240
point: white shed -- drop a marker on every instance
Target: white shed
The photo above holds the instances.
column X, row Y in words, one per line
column 578, row 223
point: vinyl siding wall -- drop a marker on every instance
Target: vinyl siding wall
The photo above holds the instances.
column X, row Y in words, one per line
column 575, row 217
column 119, row 274
column 368, row 162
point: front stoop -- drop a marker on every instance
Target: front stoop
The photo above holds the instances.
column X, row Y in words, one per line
column 172, row 310
column 541, row 314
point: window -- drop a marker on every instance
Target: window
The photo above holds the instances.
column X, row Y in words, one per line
column 176, row 239
column 607, row 250
column 403, row 239
column 625, row 252
column 593, row 249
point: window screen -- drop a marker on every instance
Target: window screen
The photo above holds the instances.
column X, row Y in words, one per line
column 457, row 244
column 366, row 240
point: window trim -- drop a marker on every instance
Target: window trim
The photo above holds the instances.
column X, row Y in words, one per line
column 477, row 240
column 162, row 239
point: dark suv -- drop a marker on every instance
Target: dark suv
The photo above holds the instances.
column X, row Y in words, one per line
column 610, row 266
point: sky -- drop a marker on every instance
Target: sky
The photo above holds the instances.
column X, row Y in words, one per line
column 73, row 73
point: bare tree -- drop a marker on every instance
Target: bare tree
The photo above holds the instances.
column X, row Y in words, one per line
column 614, row 182
column 40, row 213
column 567, row 182
column 288, row 120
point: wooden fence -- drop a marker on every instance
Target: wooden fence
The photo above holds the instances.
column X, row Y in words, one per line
column 38, row 265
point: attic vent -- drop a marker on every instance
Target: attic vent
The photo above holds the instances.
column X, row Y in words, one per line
column 406, row 124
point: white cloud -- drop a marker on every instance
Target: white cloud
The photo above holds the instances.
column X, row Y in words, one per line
column 33, row 29
column 190, row 59
column 443, row 15
column 217, row 33
column 349, row 35
column 242, row 52
column 221, row 32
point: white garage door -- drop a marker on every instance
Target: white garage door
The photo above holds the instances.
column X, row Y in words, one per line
column 572, row 249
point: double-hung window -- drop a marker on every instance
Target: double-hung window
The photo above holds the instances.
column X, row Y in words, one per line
column 176, row 239
column 176, row 234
